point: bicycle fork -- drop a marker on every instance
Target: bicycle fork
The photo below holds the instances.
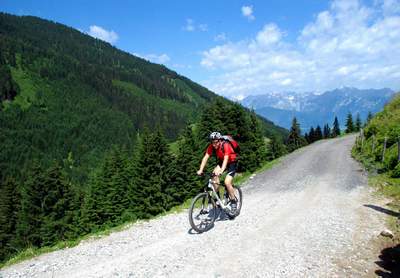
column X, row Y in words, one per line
column 215, row 196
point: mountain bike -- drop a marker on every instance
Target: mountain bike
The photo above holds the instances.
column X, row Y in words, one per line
column 207, row 206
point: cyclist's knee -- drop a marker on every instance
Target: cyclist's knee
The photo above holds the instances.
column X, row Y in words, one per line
column 228, row 180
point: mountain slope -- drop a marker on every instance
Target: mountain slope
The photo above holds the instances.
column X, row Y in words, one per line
column 65, row 95
column 384, row 126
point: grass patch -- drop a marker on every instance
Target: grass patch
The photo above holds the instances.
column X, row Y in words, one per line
column 387, row 186
column 27, row 86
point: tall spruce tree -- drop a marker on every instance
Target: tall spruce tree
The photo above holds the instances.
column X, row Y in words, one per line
column 256, row 144
column 97, row 205
column 327, row 131
column 152, row 175
column 119, row 184
column 30, row 216
column 311, row 135
column 9, row 205
column 184, row 183
column 57, row 209
column 335, row 128
column 318, row 133
column 295, row 140
column 276, row 148
column 349, row 123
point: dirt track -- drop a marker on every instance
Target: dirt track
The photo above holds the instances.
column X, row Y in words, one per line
column 310, row 216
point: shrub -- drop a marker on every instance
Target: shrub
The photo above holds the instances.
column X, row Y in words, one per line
column 396, row 171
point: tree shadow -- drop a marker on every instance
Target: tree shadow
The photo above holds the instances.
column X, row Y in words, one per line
column 389, row 262
column 383, row 210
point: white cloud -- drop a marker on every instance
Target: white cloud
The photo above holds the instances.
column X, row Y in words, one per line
column 220, row 37
column 247, row 11
column 103, row 34
column 191, row 26
column 269, row 34
column 350, row 44
column 203, row 27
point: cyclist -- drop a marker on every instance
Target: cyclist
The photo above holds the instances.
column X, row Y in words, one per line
column 226, row 161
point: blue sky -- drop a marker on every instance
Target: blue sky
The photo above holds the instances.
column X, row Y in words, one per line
column 240, row 48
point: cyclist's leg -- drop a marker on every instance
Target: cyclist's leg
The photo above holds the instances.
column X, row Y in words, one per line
column 216, row 178
column 229, row 186
column 229, row 180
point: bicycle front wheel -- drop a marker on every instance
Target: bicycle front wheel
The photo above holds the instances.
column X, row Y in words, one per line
column 202, row 213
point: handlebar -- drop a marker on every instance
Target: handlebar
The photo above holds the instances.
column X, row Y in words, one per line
column 211, row 175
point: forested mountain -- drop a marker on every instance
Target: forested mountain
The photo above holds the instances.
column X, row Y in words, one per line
column 65, row 94
column 84, row 132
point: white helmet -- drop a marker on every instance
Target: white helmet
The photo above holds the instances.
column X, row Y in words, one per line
column 215, row 136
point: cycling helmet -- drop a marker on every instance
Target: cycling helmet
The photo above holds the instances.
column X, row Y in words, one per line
column 215, row 136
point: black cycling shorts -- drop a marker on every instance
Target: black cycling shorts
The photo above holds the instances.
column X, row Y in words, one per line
column 231, row 168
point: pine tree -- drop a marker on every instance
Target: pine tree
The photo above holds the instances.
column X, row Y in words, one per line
column 9, row 205
column 119, row 184
column 327, row 131
column 335, row 128
column 318, row 133
column 311, row 135
column 184, row 183
column 276, row 148
column 152, row 175
column 255, row 144
column 369, row 118
column 307, row 137
column 349, row 123
column 358, row 124
column 295, row 140
column 30, row 216
column 57, row 210
column 97, row 205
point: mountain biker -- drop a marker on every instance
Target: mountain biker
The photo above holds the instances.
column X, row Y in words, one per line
column 226, row 161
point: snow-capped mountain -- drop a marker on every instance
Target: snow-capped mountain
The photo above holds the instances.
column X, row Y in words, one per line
column 313, row 109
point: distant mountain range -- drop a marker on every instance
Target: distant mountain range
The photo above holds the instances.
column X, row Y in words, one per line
column 318, row 109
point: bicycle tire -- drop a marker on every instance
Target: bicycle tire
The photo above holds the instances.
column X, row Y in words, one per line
column 239, row 199
column 202, row 204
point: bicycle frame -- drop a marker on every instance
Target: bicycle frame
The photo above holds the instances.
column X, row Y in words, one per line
column 215, row 195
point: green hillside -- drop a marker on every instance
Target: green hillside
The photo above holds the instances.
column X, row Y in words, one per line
column 384, row 126
column 64, row 93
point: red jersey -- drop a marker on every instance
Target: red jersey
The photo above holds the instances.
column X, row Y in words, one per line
column 227, row 150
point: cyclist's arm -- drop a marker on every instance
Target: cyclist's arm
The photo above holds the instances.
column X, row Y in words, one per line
column 203, row 162
column 224, row 163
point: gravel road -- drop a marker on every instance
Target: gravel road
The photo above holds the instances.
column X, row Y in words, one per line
column 305, row 217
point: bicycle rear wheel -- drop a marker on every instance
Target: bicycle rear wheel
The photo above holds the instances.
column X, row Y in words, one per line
column 239, row 198
column 202, row 212
column 232, row 213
